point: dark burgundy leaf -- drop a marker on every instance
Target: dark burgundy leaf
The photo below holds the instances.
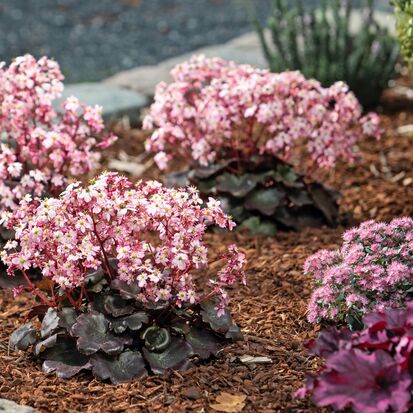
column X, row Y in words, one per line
column 132, row 322
column 126, row 291
column 177, row 179
column 117, row 306
column 156, row 338
column 44, row 344
column 92, row 332
column 176, row 356
column 203, row 342
column 209, row 315
column 67, row 317
column 50, row 323
column 119, row 369
column 23, row 337
column 64, row 358
column 325, row 200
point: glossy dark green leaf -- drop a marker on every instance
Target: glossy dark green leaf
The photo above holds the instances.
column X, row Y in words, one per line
column 258, row 226
column 50, row 323
column 132, row 322
column 117, row 306
column 119, row 369
column 265, row 201
column 176, row 356
column 126, row 291
column 23, row 337
column 238, row 186
column 156, row 338
column 203, row 342
column 92, row 332
column 64, row 358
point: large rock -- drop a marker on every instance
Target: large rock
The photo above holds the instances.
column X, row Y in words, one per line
column 115, row 101
column 243, row 49
column 7, row 406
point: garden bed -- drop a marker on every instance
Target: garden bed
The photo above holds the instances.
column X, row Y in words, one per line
column 271, row 310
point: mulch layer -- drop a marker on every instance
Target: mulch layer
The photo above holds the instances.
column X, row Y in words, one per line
column 271, row 310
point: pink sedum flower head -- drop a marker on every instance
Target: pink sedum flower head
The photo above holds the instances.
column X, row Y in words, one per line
column 41, row 147
column 373, row 270
column 216, row 110
column 155, row 235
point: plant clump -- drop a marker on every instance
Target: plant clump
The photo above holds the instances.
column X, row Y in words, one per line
column 404, row 18
column 366, row 371
column 243, row 127
column 371, row 271
column 119, row 263
column 42, row 147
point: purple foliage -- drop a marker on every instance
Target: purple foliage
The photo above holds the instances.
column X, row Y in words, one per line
column 370, row 371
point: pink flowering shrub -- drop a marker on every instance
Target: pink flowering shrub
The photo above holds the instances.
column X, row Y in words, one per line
column 368, row 371
column 372, row 270
column 41, row 147
column 131, row 252
column 214, row 110
column 236, row 127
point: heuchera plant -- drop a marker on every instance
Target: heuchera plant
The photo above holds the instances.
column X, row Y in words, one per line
column 119, row 262
column 370, row 371
column 236, row 127
column 372, row 270
column 41, row 147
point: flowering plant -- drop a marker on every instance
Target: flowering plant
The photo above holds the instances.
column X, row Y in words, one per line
column 120, row 258
column 368, row 371
column 373, row 270
column 231, row 119
column 41, row 147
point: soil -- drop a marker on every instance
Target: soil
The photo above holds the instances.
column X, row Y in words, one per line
column 271, row 310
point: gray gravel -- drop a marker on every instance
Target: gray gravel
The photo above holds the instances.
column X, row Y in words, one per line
column 93, row 39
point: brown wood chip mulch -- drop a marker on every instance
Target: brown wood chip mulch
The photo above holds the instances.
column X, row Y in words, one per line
column 271, row 310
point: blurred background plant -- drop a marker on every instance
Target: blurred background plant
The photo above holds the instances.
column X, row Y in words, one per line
column 404, row 22
column 320, row 42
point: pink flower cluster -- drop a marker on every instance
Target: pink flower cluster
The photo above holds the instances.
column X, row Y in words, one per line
column 154, row 233
column 368, row 371
column 373, row 270
column 216, row 109
column 40, row 147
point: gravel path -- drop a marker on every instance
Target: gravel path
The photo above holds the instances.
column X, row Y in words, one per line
column 93, row 39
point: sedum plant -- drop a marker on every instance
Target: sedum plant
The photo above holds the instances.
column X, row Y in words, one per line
column 372, row 270
column 319, row 43
column 239, row 130
column 404, row 18
column 369, row 371
column 119, row 263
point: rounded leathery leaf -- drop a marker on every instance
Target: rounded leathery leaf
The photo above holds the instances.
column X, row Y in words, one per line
column 132, row 322
column 92, row 332
column 126, row 291
column 156, row 338
column 219, row 323
column 67, row 317
column 64, row 358
column 265, row 201
column 238, row 186
column 176, row 356
column 50, row 323
column 117, row 306
column 119, row 369
column 23, row 337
